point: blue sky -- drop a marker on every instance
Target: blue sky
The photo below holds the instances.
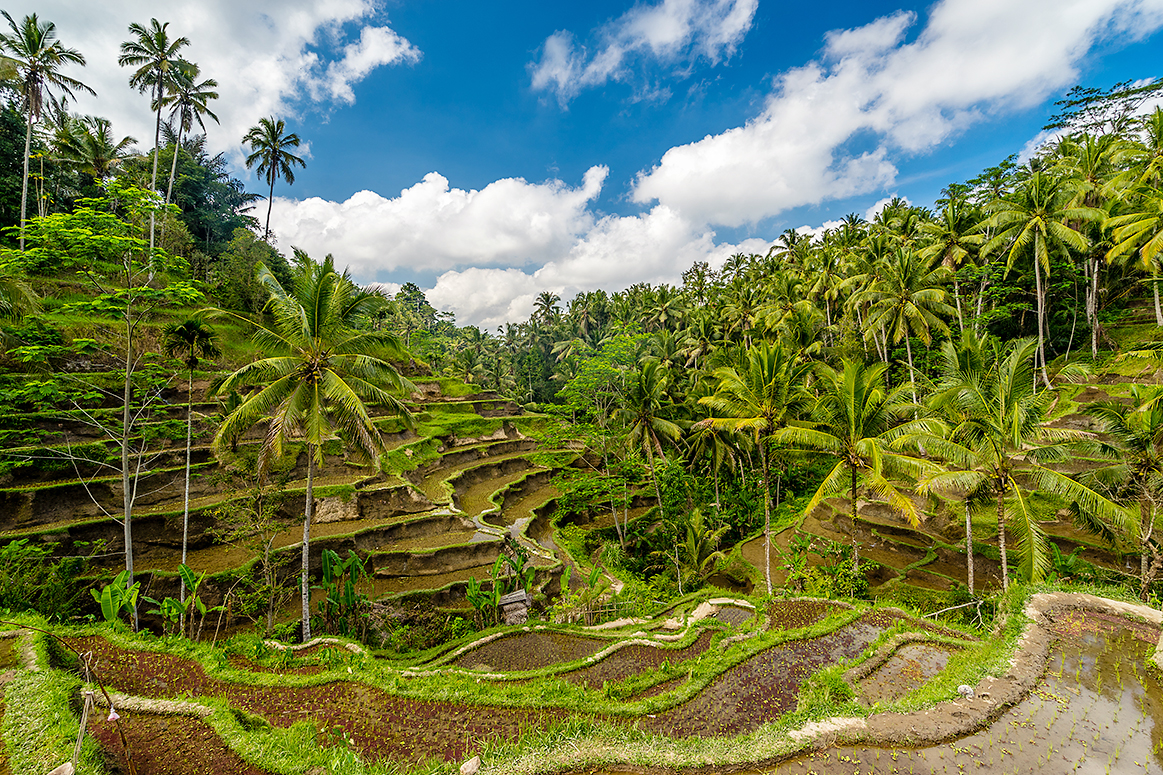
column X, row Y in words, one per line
column 488, row 151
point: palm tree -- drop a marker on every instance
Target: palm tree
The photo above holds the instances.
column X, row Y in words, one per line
column 954, row 241
column 89, row 143
column 853, row 421
column 155, row 56
column 906, row 300
column 268, row 149
column 1035, row 217
column 759, row 402
column 1001, row 446
column 1140, row 230
column 16, row 296
column 317, row 383
column 190, row 341
column 1136, row 433
column 38, row 56
column 188, row 102
column 646, row 430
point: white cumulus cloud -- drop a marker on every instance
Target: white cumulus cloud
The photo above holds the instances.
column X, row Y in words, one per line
column 618, row 251
column 831, row 128
column 266, row 56
column 433, row 227
column 673, row 31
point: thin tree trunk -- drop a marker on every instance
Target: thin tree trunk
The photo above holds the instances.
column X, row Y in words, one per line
column 912, row 372
column 855, row 546
column 766, row 516
column 1001, row 539
column 1155, row 291
column 654, row 478
column 157, row 136
column 126, row 491
column 1092, row 310
column 186, row 497
column 969, row 546
column 957, row 299
column 1146, row 528
column 271, row 201
column 980, row 302
column 174, row 164
column 24, row 183
column 305, row 590
column 1041, row 321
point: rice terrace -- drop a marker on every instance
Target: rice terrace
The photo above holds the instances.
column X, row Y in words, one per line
column 512, row 474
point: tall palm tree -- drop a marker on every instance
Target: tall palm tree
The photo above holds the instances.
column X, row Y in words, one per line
column 646, row 429
column 1001, row 447
column 759, row 402
column 1035, row 218
column 854, row 421
column 318, row 379
column 1136, row 475
column 38, row 56
column 269, row 141
column 906, row 300
column 191, row 342
column 155, row 56
column 188, row 101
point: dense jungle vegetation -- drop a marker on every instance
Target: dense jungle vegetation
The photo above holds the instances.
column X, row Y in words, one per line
column 917, row 359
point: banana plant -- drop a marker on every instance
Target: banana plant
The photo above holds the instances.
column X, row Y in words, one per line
column 117, row 597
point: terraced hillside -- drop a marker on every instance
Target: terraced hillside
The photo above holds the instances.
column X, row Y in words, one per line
column 795, row 685
column 436, row 514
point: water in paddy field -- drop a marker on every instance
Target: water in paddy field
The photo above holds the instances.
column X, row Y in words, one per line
column 1095, row 711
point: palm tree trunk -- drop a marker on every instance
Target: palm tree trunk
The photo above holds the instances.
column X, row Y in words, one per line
column 1001, row 539
column 957, row 299
column 304, row 589
column 1092, row 309
column 855, row 546
column 157, row 136
column 270, row 201
column 1041, row 321
column 24, row 183
column 1154, row 289
column 186, row 497
column 126, row 491
column 912, row 372
column 654, row 477
column 969, row 547
column 174, row 164
column 1146, row 528
column 766, row 516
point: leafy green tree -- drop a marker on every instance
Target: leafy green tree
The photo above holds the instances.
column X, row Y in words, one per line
column 269, row 141
column 759, row 403
column 38, row 57
column 235, row 279
column 318, row 379
column 112, row 254
column 191, row 342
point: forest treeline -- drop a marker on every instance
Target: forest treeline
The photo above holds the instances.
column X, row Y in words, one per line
column 916, row 353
